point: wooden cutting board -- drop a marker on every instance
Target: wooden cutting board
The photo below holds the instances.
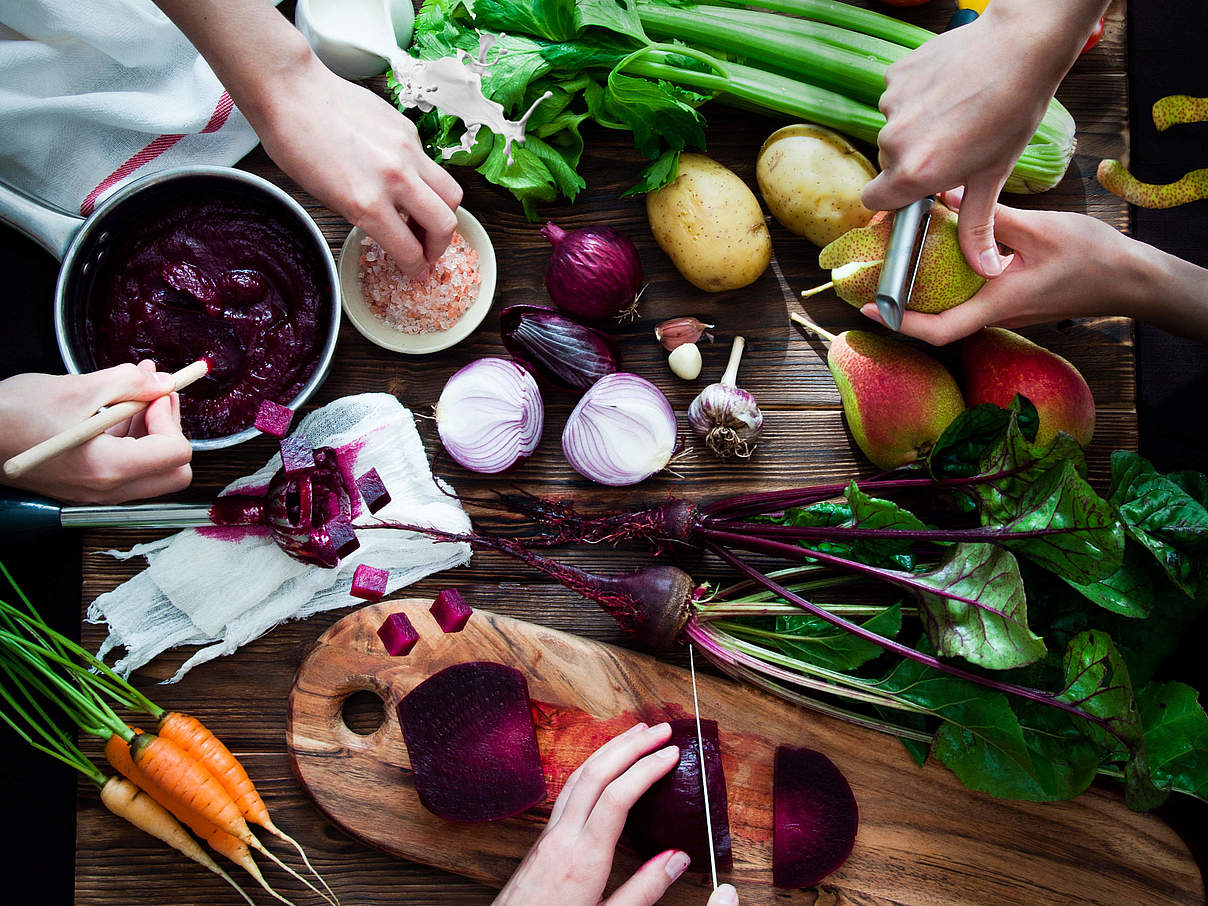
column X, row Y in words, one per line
column 923, row 838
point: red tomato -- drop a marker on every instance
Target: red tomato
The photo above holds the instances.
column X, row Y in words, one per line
column 1096, row 34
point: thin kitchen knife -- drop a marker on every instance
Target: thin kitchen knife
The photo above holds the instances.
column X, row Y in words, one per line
column 700, row 750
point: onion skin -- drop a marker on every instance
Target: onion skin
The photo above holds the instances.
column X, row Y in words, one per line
column 559, row 350
column 594, row 272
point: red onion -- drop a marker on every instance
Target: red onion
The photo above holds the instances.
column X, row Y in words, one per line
column 622, row 431
column 559, row 350
column 489, row 415
column 594, row 272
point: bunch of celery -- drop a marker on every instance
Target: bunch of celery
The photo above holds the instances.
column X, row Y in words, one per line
column 646, row 66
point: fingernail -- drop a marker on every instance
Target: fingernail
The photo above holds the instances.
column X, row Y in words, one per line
column 636, row 728
column 163, row 379
column 668, row 753
column 659, row 728
column 725, row 895
column 677, row 865
column 990, row 262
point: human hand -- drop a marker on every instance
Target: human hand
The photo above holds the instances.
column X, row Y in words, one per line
column 571, row 860
column 961, row 108
column 1063, row 265
column 143, row 457
column 363, row 158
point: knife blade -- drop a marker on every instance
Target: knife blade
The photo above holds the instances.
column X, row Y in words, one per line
column 901, row 262
column 700, row 751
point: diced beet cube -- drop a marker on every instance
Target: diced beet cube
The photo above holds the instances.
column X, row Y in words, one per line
column 398, row 635
column 451, row 610
column 273, row 418
column 296, row 454
column 369, row 582
column 343, row 537
column 373, row 490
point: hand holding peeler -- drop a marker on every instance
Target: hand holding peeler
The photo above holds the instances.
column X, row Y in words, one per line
column 902, row 260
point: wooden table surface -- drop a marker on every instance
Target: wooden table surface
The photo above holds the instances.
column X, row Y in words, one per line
column 242, row 697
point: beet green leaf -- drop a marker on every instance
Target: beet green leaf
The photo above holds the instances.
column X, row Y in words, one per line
column 1176, row 736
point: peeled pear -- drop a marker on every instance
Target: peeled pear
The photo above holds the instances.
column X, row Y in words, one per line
column 998, row 364
column 944, row 277
column 897, row 399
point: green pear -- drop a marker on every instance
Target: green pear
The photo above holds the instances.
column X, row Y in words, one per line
column 897, row 399
column 998, row 364
column 944, row 277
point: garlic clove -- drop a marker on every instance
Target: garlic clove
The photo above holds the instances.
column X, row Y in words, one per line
column 685, row 361
column 678, row 331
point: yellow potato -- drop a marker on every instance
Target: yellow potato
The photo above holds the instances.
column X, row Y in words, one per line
column 811, row 179
column 710, row 225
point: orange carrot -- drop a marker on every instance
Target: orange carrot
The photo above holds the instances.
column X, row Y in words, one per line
column 126, row 800
column 195, row 739
column 117, row 753
column 208, row 812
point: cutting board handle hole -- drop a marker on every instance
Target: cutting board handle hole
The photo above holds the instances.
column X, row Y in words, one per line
column 363, row 712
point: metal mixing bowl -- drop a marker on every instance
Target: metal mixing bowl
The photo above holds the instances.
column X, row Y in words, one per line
column 82, row 245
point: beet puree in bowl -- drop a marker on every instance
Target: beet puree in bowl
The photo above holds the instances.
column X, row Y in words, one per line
column 220, row 276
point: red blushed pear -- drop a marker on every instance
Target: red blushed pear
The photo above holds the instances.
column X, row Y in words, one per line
column 897, row 399
column 998, row 364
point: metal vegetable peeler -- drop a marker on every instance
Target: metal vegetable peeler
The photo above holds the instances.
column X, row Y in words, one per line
column 902, row 260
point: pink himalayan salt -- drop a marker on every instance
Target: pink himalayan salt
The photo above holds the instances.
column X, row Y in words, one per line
column 427, row 305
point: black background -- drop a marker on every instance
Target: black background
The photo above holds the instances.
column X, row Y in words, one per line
column 1166, row 57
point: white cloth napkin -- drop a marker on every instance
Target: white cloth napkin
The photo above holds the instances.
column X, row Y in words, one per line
column 95, row 92
column 207, row 588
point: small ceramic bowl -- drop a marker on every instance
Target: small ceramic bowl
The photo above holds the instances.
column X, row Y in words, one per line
column 383, row 334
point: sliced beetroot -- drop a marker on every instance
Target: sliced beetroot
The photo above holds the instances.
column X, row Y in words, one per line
column 369, row 582
column 398, row 635
column 299, row 508
column 273, row 418
column 815, row 818
column 373, row 490
column 451, row 610
column 296, row 455
column 671, row 814
column 342, row 536
column 469, row 734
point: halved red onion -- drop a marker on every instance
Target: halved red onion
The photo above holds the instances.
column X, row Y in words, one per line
column 558, row 349
column 622, row 431
column 490, row 415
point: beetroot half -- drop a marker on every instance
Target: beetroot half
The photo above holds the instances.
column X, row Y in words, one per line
column 815, row 818
column 469, row 733
column 671, row 814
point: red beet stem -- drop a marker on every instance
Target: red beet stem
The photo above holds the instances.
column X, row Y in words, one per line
column 905, row 651
column 651, row 604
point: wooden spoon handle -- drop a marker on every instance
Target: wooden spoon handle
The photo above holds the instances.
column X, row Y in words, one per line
column 95, row 425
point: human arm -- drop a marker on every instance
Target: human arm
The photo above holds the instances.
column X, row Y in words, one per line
column 961, row 108
column 340, row 141
column 571, row 860
column 145, row 457
column 1067, row 265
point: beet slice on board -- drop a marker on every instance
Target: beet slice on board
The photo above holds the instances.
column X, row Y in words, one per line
column 469, row 733
column 671, row 814
column 815, row 818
